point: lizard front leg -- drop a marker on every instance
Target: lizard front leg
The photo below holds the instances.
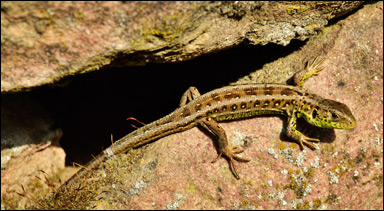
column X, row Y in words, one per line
column 296, row 135
column 312, row 68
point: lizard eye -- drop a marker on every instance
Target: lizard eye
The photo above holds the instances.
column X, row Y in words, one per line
column 334, row 116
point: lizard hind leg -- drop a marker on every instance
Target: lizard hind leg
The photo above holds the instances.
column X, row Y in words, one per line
column 189, row 95
column 222, row 144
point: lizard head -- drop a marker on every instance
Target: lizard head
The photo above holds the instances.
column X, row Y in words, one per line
column 330, row 114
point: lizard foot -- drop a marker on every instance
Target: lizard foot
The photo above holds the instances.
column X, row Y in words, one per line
column 230, row 153
column 308, row 141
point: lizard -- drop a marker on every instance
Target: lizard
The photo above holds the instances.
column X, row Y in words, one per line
column 234, row 102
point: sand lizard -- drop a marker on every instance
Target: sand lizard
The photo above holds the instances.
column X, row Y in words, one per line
column 238, row 102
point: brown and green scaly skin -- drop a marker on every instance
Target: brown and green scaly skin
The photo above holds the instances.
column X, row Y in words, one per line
column 237, row 102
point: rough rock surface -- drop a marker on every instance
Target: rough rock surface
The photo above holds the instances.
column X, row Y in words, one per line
column 43, row 42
